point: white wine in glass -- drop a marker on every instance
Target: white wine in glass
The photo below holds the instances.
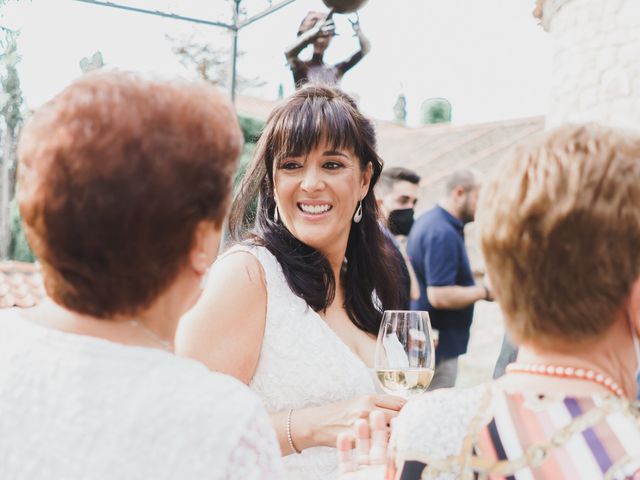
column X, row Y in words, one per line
column 405, row 355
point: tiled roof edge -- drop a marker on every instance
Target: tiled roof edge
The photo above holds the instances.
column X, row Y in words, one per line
column 13, row 266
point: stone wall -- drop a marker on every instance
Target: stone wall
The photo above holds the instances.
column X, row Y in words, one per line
column 596, row 64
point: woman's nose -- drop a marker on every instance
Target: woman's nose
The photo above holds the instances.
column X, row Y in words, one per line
column 312, row 180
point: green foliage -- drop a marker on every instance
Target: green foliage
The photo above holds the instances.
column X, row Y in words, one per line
column 18, row 247
column 251, row 129
column 7, row 35
column 400, row 110
column 95, row 62
column 435, row 110
column 11, row 101
column 245, row 160
column 11, row 118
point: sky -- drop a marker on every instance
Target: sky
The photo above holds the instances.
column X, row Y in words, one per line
column 489, row 58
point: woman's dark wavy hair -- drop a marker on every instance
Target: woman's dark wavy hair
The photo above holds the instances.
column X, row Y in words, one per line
column 371, row 278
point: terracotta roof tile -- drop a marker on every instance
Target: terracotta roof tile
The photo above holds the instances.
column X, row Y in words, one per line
column 435, row 151
column 255, row 107
column 20, row 285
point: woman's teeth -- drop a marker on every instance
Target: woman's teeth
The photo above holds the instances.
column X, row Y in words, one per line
column 314, row 209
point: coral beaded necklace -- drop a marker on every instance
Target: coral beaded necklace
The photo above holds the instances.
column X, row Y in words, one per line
column 568, row 372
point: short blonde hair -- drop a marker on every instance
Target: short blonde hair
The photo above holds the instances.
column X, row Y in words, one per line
column 559, row 227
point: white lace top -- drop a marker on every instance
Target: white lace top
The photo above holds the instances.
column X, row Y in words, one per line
column 79, row 407
column 436, row 423
column 303, row 363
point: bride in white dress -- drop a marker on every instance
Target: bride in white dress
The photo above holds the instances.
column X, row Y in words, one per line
column 293, row 309
column 89, row 386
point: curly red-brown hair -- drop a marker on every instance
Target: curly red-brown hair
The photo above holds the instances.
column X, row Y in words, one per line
column 115, row 174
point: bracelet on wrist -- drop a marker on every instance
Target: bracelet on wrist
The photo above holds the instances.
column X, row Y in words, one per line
column 289, row 437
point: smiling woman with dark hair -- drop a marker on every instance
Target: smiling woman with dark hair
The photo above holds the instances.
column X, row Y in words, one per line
column 294, row 309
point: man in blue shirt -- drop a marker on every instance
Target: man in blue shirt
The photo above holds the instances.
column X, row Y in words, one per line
column 447, row 288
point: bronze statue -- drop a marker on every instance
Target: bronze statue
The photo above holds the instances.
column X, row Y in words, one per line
column 318, row 29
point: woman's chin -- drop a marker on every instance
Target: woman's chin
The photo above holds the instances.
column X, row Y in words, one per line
column 317, row 240
column 314, row 242
column 320, row 233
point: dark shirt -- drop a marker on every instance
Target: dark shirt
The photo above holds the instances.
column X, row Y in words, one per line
column 316, row 71
column 405, row 278
column 439, row 258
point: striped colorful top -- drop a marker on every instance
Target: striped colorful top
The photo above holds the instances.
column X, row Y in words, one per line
column 516, row 436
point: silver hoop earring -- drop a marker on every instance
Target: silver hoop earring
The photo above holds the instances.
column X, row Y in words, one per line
column 358, row 216
column 276, row 215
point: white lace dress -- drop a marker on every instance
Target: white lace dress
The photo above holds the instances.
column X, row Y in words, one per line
column 303, row 363
column 78, row 407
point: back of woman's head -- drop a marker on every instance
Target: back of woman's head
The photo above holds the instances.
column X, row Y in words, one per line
column 313, row 115
column 115, row 174
column 560, row 231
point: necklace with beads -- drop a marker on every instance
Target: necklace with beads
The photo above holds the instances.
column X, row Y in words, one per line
column 576, row 373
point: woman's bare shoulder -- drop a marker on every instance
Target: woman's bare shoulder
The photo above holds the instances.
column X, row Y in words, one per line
column 242, row 263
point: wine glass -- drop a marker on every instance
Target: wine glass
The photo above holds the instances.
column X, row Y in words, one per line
column 405, row 355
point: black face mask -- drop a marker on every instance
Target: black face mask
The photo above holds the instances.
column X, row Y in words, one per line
column 400, row 221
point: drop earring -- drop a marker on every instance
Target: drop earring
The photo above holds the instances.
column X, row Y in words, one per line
column 276, row 215
column 358, row 216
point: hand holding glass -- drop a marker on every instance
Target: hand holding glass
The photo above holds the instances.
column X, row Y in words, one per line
column 405, row 355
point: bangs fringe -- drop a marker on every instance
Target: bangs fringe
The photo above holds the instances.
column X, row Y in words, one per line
column 314, row 121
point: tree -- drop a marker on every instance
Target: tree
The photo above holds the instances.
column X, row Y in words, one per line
column 400, row 110
column 95, row 62
column 4, row 31
column 10, row 121
column 251, row 129
column 210, row 63
column 18, row 247
column 435, row 110
column 7, row 35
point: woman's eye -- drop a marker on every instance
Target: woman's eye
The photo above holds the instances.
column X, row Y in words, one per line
column 332, row 165
column 289, row 165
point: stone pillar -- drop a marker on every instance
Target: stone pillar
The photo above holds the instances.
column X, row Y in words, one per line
column 596, row 64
